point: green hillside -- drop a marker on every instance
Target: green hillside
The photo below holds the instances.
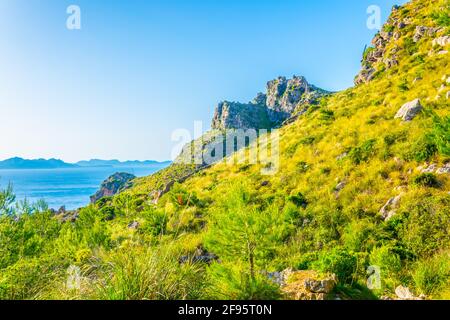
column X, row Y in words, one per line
column 356, row 187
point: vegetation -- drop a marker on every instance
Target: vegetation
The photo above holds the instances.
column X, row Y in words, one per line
column 257, row 224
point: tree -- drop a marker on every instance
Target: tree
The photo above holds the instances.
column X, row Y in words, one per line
column 244, row 232
column 7, row 199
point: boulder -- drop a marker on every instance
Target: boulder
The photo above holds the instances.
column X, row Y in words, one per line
column 113, row 185
column 409, row 110
column 320, row 286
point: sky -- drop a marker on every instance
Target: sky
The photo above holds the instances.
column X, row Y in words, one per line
column 139, row 69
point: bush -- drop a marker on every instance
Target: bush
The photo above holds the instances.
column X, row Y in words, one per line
column 340, row 262
column 363, row 152
column 298, row 199
column 389, row 263
column 422, row 150
column 426, row 180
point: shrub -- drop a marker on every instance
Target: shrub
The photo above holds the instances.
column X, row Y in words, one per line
column 389, row 263
column 426, row 180
column 298, row 199
column 339, row 261
column 363, row 152
column 422, row 150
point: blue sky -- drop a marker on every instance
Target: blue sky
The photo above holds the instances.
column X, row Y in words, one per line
column 139, row 69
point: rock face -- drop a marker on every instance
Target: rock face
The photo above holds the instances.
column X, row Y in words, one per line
column 283, row 99
column 114, row 184
column 235, row 115
column 409, row 110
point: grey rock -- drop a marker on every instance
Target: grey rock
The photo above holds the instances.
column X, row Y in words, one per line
column 134, row 225
column 409, row 110
column 365, row 75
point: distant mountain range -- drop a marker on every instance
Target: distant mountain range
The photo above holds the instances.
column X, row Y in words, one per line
column 19, row 163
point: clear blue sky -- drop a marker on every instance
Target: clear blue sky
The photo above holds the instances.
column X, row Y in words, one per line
column 139, row 69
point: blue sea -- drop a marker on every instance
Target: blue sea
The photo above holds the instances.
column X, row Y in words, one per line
column 65, row 187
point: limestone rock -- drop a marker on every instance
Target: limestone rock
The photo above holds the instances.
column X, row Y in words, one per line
column 441, row 41
column 282, row 100
column 388, row 210
column 365, row 75
column 113, row 185
column 409, row 110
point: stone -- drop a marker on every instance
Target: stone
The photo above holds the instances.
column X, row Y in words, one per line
column 113, row 185
column 320, row 286
column 403, row 293
column 441, row 41
column 134, row 225
column 445, row 169
column 365, row 75
column 428, row 169
column 409, row 110
column 308, row 285
column 340, row 186
column 200, row 256
column 422, row 31
column 447, row 96
column 388, row 210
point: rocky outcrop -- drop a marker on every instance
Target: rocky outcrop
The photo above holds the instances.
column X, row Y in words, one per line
column 422, row 31
column 235, row 115
column 308, row 285
column 283, row 99
column 409, row 110
column 113, row 185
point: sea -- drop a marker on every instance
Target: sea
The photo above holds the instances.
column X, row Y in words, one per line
column 71, row 187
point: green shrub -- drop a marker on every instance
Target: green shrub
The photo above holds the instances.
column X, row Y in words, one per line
column 339, row 261
column 426, row 180
column 422, row 150
column 363, row 152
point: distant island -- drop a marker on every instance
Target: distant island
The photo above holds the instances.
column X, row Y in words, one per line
column 20, row 163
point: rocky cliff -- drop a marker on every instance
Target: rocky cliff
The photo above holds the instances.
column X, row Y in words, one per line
column 113, row 185
column 283, row 99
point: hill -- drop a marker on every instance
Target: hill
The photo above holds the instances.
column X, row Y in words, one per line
column 356, row 204
column 19, row 163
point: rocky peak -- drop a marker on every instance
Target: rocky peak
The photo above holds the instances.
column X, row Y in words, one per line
column 283, row 98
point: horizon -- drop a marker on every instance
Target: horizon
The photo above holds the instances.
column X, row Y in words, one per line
column 136, row 72
column 82, row 160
